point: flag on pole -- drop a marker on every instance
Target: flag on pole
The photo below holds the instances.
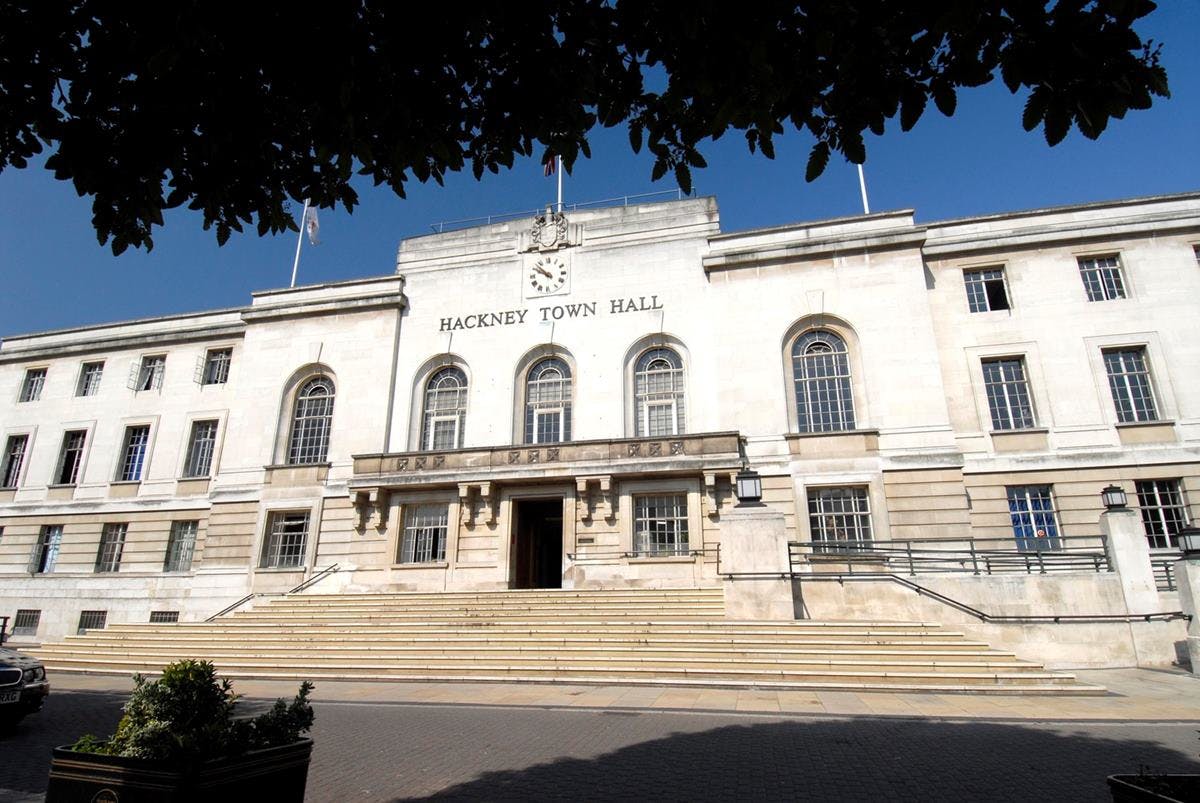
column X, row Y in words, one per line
column 548, row 168
column 312, row 225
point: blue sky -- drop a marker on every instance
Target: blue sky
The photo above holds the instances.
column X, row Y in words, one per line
column 54, row 274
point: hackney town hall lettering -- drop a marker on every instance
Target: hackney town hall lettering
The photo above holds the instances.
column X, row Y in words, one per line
column 557, row 312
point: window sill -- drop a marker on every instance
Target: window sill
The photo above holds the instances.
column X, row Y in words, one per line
column 433, row 564
column 297, row 474
column 665, row 559
column 1160, row 422
column 1034, row 439
column 124, row 488
column 280, row 569
column 1139, row 432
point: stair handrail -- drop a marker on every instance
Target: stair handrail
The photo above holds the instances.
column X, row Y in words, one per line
column 321, row 575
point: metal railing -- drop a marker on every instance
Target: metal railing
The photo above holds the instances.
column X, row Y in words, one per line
column 1085, row 553
column 620, row 200
column 328, row 570
column 3, row 629
column 609, row 556
column 1163, row 564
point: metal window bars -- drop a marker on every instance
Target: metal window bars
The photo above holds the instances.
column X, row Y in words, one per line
column 31, row 388
column 286, row 541
column 45, row 550
column 1164, row 512
column 112, row 545
column 660, row 525
column 133, row 458
column 92, row 620
column 201, row 445
column 14, row 458
column 89, row 379
column 424, row 537
column 26, row 622
column 180, row 546
column 1129, row 382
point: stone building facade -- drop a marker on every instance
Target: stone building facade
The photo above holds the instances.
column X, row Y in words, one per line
column 564, row 401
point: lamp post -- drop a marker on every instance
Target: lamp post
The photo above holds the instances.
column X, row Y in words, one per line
column 1114, row 497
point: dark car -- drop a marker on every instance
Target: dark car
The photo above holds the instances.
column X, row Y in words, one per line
column 23, row 686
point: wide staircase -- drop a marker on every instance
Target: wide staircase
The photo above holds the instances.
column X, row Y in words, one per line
column 676, row 637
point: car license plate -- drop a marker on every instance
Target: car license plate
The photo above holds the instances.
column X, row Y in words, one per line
column 9, row 696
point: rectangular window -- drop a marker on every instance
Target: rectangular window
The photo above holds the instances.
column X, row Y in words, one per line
column 164, row 617
column 112, row 544
column 181, row 546
column 89, row 379
column 92, row 620
column 31, row 388
column 660, row 418
column 150, row 373
column 216, row 366
column 1164, row 513
column 443, row 432
column 839, row 518
column 287, row 534
column 1031, row 510
column 133, row 455
column 1007, row 393
column 14, row 457
column 985, row 289
column 1129, row 381
column 548, row 426
column 45, row 552
column 26, row 622
column 660, row 524
column 1102, row 278
column 424, row 537
column 201, row 444
column 71, row 457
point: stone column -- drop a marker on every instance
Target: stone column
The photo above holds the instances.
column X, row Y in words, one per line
column 754, row 546
column 1129, row 556
column 1187, row 579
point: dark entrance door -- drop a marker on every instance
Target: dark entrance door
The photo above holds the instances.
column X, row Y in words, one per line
column 538, row 543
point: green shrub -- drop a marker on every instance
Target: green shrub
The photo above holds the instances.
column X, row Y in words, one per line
column 186, row 717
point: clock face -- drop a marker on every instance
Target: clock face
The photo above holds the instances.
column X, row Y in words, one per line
column 547, row 275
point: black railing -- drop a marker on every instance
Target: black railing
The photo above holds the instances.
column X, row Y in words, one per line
column 609, row 556
column 3, row 629
column 318, row 576
column 1085, row 553
column 1163, row 564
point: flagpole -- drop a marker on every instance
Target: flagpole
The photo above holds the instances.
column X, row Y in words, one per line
column 559, row 171
column 299, row 241
column 862, row 186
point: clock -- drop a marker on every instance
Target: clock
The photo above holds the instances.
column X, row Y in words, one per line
column 547, row 275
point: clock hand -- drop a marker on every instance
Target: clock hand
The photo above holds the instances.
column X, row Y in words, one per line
column 543, row 271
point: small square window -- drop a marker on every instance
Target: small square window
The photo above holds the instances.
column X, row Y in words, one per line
column 1102, row 277
column 660, row 525
column 31, row 388
column 839, row 518
column 164, row 617
column 985, row 289
column 424, row 537
column 149, row 374
column 287, row 536
column 26, row 622
column 92, row 620
column 216, row 367
column 89, row 379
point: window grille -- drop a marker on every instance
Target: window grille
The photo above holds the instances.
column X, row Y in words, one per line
column 71, row 457
column 1034, row 523
column 311, row 422
column 548, row 402
column 45, row 551
column 985, row 289
column 658, row 393
column 287, row 534
column 1164, row 512
column 1007, row 393
column 1102, row 278
column 14, row 457
column 133, row 456
column 445, row 410
column 821, row 368
column 660, row 524
column 181, row 546
column 112, row 544
column 201, row 444
column 424, row 537
column 216, row 367
column 164, row 617
column 1129, row 381
column 92, row 620
column 26, row 622
column 839, row 518
column 149, row 375
column 89, row 379
column 31, row 388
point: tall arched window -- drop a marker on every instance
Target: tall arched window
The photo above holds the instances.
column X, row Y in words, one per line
column 445, row 410
column 548, row 402
column 658, row 393
column 311, row 420
column 821, row 370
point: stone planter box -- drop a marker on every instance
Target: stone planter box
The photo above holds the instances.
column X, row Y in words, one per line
column 275, row 774
column 1167, row 788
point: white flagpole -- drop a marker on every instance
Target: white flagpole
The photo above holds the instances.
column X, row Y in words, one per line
column 299, row 241
column 559, row 171
column 862, row 186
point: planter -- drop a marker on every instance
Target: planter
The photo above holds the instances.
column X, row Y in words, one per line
column 274, row 773
column 1154, row 788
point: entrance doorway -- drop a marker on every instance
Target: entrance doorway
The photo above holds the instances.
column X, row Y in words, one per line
column 537, row 543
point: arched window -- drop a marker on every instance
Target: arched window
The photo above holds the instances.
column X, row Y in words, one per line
column 821, row 370
column 311, row 420
column 445, row 410
column 658, row 393
column 548, row 402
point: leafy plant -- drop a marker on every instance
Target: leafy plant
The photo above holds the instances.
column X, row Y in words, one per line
column 187, row 717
